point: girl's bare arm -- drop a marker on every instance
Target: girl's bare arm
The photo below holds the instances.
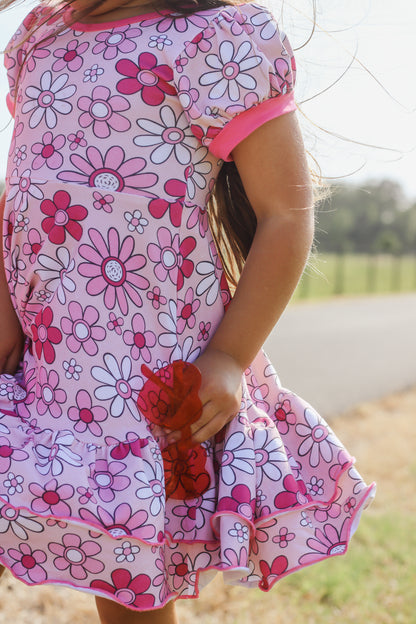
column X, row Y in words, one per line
column 11, row 335
column 272, row 165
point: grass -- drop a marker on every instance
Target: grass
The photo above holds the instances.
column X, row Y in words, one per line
column 329, row 274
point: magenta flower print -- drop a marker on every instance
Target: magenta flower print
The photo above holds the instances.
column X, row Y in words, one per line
column 111, row 172
column 186, row 311
column 237, row 22
column 51, row 499
column 78, row 556
column 28, row 563
column 113, row 269
column 62, row 218
column 50, row 396
column 102, row 111
column 152, row 80
column 129, row 590
column 204, row 329
column 284, row 415
column 170, row 258
column 48, row 151
column 45, row 335
column 33, row 246
column 201, row 42
column 86, row 416
column 81, row 328
column 231, row 70
column 70, row 57
column 139, row 339
column 49, row 100
column 40, row 51
column 158, row 207
column 106, row 478
column 119, row 40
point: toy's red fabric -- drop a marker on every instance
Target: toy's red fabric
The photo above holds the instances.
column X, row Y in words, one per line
column 169, row 398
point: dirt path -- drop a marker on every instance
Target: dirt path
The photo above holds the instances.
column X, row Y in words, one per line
column 381, row 434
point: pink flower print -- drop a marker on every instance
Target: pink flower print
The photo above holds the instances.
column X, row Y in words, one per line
column 240, row 531
column 266, row 21
column 177, row 22
column 121, row 522
column 85, row 495
column 50, row 397
column 326, row 543
column 82, row 329
column 350, row 505
column 151, row 79
column 115, row 323
column 93, row 73
column 118, row 385
column 34, row 245
column 126, row 552
column 156, row 297
column 315, row 486
column 323, row 513
column 284, row 537
column 180, row 63
column 113, row 269
column 201, row 42
column 21, row 187
column 70, row 57
column 118, row 40
column 76, row 140
column 139, row 339
column 250, row 99
column 102, row 110
column 62, row 218
column 269, row 451
column 7, row 453
column 129, row 590
column 41, row 50
column 194, row 512
column 284, row 415
column 77, row 556
column 51, row 498
column 318, row 439
column 105, row 477
column 171, row 136
column 20, row 155
column 179, row 569
column 204, row 329
column 13, row 483
column 237, row 22
column 112, row 173
column 158, row 207
column 85, row 415
column 133, row 445
column 231, row 71
column 103, row 202
column 188, row 96
column 48, row 151
column 236, row 560
column 45, row 335
column 282, row 81
column 49, row 100
column 28, row 563
column 186, row 311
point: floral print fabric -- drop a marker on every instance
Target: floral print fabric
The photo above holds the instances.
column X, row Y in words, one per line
column 112, row 267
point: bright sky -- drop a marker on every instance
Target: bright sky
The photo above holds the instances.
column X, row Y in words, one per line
column 381, row 34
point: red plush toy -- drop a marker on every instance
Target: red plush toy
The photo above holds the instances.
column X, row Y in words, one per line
column 169, row 398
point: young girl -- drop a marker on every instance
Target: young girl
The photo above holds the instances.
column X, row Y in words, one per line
column 146, row 442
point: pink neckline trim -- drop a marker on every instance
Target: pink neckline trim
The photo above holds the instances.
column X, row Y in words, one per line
column 94, row 26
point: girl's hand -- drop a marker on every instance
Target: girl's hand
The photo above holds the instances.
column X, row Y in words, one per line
column 11, row 336
column 220, row 394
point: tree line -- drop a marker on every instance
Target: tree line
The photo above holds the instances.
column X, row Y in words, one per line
column 375, row 217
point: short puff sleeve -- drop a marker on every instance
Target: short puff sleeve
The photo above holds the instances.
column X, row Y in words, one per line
column 235, row 75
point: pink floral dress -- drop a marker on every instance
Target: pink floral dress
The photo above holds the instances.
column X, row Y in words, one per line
column 120, row 132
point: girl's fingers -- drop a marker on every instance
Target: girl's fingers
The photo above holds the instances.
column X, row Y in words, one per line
column 210, row 428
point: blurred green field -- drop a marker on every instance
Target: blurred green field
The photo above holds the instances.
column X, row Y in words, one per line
column 353, row 274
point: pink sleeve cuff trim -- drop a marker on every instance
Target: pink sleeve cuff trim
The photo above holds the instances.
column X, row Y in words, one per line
column 10, row 104
column 249, row 120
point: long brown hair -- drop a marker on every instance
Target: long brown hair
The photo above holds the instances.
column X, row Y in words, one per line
column 232, row 219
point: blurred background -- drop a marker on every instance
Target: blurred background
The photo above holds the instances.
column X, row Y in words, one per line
column 347, row 341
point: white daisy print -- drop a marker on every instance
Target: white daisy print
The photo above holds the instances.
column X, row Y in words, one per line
column 48, row 100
